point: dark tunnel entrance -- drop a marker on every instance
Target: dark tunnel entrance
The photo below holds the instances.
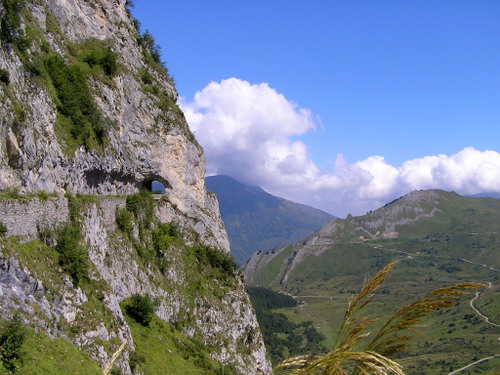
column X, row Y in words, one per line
column 155, row 186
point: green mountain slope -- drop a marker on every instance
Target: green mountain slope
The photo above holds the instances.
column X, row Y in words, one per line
column 439, row 238
column 256, row 220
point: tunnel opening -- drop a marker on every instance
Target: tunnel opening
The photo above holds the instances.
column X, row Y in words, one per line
column 155, row 186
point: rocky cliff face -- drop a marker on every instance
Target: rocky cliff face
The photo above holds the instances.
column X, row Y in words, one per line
column 145, row 141
column 106, row 135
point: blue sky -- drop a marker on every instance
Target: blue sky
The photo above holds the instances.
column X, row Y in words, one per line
column 342, row 105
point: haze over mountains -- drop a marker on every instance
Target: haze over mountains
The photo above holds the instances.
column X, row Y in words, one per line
column 256, row 220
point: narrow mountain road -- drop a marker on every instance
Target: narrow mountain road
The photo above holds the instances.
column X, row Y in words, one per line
column 480, row 264
column 487, row 321
column 478, row 312
column 312, row 297
column 473, row 364
column 410, row 255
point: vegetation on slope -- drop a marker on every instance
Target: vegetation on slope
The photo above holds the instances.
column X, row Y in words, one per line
column 164, row 349
column 79, row 114
column 10, row 25
column 39, row 354
column 159, row 247
column 281, row 336
column 461, row 243
column 356, row 350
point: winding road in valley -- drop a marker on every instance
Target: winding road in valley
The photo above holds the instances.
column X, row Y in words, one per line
column 478, row 312
column 473, row 364
column 487, row 319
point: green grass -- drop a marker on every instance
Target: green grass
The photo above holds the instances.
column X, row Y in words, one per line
column 40, row 259
column 272, row 275
column 42, row 355
column 431, row 254
column 447, row 337
column 13, row 193
column 162, row 349
column 459, row 214
column 440, row 346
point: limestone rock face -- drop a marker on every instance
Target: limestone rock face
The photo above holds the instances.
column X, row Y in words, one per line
column 227, row 324
column 145, row 143
column 146, row 139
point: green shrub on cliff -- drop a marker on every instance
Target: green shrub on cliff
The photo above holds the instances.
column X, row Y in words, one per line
column 152, row 50
column 217, row 259
column 4, row 76
column 83, row 120
column 124, row 221
column 140, row 308
column 10, row 27
column 11, row 339
column 103, row 57
column 73, row 257
column 141, row 205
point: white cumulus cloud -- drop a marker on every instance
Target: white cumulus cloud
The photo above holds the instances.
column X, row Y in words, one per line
column 246, row 131
column 250, row 132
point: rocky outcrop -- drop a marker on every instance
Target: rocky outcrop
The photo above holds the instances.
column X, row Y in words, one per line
column 383, row 222
column 146, row 142
column 144, row 138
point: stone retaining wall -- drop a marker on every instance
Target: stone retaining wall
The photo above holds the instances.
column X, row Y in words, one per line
column 25, row 216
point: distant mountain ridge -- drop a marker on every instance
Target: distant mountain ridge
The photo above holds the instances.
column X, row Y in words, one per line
column 415, row 214
column 485, row 195
column 437, row 238
column 257, row 220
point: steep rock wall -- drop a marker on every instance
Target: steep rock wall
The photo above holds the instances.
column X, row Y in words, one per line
column 146, row 138
column 221, row 315
column 146, row 142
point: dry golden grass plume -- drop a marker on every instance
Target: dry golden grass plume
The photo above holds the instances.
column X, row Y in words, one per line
column 108, row 368
column 351, row 355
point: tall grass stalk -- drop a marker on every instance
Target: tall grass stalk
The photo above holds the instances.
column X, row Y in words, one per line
column 108, row 368
column 353, row 352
